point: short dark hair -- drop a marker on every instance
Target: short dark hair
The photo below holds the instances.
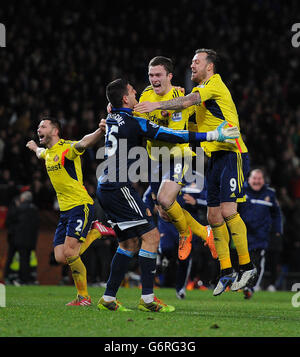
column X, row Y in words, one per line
column 54, row 122
column 167, row 63
column 115, row 91
column 261, row 170
column 212, row 56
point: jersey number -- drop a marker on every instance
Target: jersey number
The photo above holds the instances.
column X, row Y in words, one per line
column 232, row 183
column 80, row 223
column 178, row 168
column 110, row 138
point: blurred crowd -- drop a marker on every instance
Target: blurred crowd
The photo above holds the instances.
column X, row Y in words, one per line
column 60, row 56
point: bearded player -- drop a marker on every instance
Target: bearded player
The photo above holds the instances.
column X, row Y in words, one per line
column 75, row 231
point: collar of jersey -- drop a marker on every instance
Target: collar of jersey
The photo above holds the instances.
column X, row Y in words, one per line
column 213, row 76
column 56, row 144
column 122, row 110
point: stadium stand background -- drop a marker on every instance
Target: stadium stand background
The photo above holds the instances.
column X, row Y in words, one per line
column 60, row 56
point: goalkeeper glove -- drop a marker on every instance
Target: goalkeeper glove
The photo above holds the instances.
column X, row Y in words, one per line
column 223, row 135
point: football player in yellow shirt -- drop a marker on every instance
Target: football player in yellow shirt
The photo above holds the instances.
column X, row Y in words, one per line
column 165, row 192
column 75, row 231
column 228, row 166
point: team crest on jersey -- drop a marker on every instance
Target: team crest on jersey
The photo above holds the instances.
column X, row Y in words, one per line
column 56, row 158
column 176, row 116
column 267, row 199
column 164, row 113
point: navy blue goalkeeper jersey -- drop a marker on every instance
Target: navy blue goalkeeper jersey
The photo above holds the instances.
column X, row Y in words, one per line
column 125, row 132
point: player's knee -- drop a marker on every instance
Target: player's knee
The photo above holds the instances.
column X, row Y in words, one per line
column 227, row 211
column 60, row 258
column 164, row 201
column 163, row 214
column 71, row 247
column 70, row 252
column 130, row 244
column 214, row 218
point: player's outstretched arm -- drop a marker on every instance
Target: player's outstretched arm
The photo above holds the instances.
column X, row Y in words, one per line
column 31, row 145
column 223, row 134
column 173, row 104
column 153, row 131
column 90, row 140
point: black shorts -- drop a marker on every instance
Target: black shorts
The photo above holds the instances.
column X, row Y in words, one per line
column 126, row 212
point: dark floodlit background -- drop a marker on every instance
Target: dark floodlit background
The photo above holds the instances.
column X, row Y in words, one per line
column 60, row 55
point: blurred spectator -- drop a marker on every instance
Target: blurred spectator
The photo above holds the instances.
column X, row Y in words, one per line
column 10, row 226
column 23, row 226
column 263, row 218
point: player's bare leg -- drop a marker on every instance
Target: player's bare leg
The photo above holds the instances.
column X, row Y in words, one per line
column 150, row 241
column 167, row 193
column 59, row 254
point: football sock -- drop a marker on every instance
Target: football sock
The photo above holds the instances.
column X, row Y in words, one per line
column 79, row 274
column 119, row 267
column 90, row 238
column 238, row 232
column 195, row 226
column 108, row 298
column 175, row 213
column 221, row 240
column 147, row 261
column 148, row 298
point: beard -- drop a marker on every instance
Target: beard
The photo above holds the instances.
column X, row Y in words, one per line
column 199, row 76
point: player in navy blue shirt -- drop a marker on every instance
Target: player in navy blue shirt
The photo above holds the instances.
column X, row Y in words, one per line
column 262, row 215
column 123, row 206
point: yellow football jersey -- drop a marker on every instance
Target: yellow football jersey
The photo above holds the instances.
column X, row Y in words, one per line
column 63, row 164
column 174, row 119
column 216, row 105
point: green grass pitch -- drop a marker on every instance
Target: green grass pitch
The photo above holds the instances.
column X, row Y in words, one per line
column 40, row 311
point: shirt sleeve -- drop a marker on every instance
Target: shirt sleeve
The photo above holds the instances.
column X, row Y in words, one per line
column 153, row 131
column 71, row 153
column 206, row 92
column 43, row 154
